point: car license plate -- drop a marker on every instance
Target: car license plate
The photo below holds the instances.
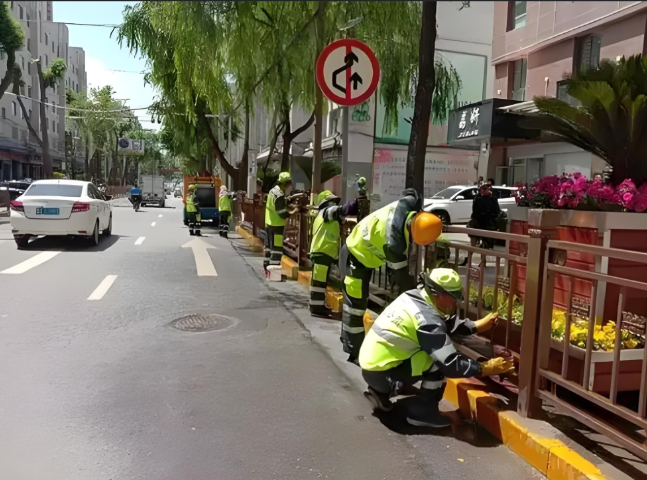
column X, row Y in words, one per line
column 47, row 211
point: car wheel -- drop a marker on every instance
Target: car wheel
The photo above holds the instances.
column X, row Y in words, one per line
column 94, row 239
column 444, row 216
column 22, row 241
column 108, row 231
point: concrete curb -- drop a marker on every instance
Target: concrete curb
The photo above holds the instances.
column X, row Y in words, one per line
column 255, row 243
column 550, row 456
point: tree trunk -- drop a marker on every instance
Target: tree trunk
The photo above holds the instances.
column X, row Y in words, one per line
column 317, row 156
column 244, row 160
column 415, row 176
column 287, row 141
column 48, row 169
column 226, row 166
column 9, row 75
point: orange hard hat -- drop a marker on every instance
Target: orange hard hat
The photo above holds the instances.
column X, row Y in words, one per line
column 426, row 228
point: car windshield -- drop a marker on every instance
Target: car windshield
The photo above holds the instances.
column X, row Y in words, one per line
column 54, row 190
column 447, row 193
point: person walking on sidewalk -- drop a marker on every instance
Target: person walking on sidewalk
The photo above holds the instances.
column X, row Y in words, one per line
column 225, row 209
column 193, row 211
column 276, row 211
column 412, row 341
column 381, row 238
column 324, row 248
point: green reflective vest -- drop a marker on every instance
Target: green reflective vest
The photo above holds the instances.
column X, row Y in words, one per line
column 225, row 204
column 272, row 217
column 367, row 240
column 325, row 236
column 393, row 338
column 191, row 203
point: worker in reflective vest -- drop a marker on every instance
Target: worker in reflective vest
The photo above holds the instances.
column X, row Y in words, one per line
column 412, row 341
column 276, row 211
column 225, row 207
column 381, row 238
column 193, row 212
column 324, row 248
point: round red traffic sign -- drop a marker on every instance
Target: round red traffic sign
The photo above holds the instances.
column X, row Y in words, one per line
column 348, row 72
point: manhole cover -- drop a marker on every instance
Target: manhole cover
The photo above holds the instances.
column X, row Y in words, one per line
column 202, row 323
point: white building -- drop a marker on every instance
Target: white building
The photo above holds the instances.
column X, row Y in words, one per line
column 20, row 154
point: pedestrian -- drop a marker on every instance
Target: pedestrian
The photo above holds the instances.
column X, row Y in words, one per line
column 276, row 211
column 412, row 341
column 225, row 209
column 193, row 211
column 324, row 248
column 480, row 182
column 485, row 213
column 490, row 182
column 381, row 238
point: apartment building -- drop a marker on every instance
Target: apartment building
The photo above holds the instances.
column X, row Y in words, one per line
column 45, row 40
column 535, row 46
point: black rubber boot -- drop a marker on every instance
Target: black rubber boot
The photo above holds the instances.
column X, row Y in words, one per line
column 424, row 412
column 380, row 401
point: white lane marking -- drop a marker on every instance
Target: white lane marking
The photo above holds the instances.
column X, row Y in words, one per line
column 160, row 215
column 34, row 261
column 103, row 288
column 203, row 263
column 153, row 224
column 140, row 240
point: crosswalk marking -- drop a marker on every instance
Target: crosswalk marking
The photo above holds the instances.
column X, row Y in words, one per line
column 103, row 288
column 153, row 224
column 31, row 263
column 140, row 240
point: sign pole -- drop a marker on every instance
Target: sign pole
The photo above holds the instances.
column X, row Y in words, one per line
column 344, row 154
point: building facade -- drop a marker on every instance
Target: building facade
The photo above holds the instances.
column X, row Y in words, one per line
column 45, row 40
column 535, row 46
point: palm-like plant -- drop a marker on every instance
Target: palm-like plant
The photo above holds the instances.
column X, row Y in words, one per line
column 611, row 120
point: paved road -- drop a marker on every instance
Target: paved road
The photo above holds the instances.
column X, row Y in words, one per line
column 97, row 385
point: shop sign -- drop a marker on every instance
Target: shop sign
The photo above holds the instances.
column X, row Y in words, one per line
column 468, row 125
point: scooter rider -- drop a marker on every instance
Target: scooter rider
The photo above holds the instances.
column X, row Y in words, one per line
column 136, row 197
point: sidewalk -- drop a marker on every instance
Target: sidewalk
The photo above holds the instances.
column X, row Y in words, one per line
column 564, row 453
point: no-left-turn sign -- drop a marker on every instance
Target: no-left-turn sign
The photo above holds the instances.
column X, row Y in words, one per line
column 348, row 72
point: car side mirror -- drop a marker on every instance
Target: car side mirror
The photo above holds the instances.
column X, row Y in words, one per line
column 460, row 197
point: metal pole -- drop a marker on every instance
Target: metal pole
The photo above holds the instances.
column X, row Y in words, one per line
column 344, row 154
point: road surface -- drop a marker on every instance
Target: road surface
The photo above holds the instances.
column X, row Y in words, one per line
column 97, row 384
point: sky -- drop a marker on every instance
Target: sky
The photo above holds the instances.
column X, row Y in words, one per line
column 103, row 56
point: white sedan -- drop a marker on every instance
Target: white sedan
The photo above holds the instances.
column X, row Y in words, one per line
column 63, row 208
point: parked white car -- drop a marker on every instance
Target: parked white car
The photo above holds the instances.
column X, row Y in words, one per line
column 454, row 204
column 63, row 208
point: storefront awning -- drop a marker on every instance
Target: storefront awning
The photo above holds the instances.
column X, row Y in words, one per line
column 487, row 121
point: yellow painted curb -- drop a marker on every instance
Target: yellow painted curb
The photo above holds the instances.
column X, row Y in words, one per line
column 304, row 277
column 255, row 243
column 289, row 268
column 550, row 456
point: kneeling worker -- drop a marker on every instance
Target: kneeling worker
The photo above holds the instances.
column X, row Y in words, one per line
column 193, row 211
column 324, row 248
column 412, row 341
column 381, row 238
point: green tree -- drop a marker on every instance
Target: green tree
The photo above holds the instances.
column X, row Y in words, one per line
column 46, row 79
column 12, row 38
column 611, row 119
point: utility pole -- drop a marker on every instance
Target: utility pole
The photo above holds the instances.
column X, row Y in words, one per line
column 317, row 154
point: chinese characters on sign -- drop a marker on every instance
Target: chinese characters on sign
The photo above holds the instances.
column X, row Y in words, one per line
column 472, row 130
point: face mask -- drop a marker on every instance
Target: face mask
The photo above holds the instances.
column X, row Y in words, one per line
column 288, row 190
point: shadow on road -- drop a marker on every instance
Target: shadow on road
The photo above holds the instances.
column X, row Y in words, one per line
column 72, row 244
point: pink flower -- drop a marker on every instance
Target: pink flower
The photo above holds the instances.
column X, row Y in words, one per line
column 640, row 203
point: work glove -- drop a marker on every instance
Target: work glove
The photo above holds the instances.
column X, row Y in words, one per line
column 496, row 366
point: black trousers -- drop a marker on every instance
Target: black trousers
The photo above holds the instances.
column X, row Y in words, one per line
column 355, row 288
column 275, row 240
column 224, row 221
column 320, row 271
column 391, row 381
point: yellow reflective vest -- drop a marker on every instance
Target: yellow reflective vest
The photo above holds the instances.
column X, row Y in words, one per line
column 276, row 200
column 326, row 232
column 192, row 203
column 225, row 204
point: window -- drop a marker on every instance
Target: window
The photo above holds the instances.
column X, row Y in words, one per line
column 501, row 192
column 22, row 60
column 19, row 12
column 562, row 94
column 29, row 44
column 13, row 108
column 589, row 53
column 53, row 126
column 4, row 112
column 27, row 20
column 29, row 113
column 29, row 68
column 12, row 5
column 53, row 190
column 519, row 80
column 22, row 115
column 46, row 39
column 516, row 15
column 58, row 50
column 14, row 133
column 29, row 92
column 46, row 61
column 52, row 47
column 468, row 194
column 77, row 88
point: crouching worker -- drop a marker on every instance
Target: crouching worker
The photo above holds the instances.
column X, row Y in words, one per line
column 412, row 341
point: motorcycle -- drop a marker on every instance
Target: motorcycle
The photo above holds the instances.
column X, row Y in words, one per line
column 137, row 201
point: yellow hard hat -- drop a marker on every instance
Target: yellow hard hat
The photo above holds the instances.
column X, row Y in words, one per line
column 426, row 228
column 325, row 196
column 192, row 187
column 284, row 177
column 447, row 278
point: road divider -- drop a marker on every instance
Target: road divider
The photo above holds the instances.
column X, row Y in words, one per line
column 31, row 263
column 203, row 263
column 140, row 240
column 103, row 288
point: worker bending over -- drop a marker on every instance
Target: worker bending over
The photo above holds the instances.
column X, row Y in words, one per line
column 412, row 341
column 193, row 211
column 324, row 248
column 225, row 209
column 276, row 211
column 381, row 238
